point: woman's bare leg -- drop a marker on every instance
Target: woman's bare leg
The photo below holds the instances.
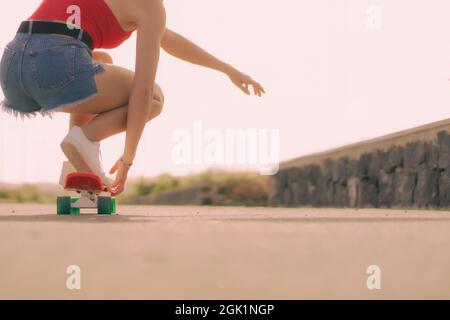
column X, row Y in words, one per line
column 80, row 120
column 109, row 107
column 113, row 122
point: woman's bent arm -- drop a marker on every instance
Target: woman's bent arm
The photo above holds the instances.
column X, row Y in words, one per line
column 150, row 32
column 151, row 21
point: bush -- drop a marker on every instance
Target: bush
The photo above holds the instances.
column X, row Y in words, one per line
column 25, row 194
column 207, row 188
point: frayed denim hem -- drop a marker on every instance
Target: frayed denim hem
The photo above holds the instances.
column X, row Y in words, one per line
column 44, row 113
column 17, row 114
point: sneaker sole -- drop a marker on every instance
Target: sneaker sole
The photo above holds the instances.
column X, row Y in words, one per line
column 75, row 157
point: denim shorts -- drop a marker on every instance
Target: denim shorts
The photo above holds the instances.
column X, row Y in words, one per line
column 45, row 73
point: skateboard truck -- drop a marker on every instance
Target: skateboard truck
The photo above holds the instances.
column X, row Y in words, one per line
column 89, row 187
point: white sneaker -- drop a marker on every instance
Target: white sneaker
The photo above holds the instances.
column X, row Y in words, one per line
column 84, row 154
column 65, row 171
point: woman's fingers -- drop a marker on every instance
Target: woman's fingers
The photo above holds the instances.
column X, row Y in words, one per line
column 117, row 188
column 114, row 184
column 253, row 84
column 256, row 91
column 120, row 188
column 117, row 191
column 117, row 181
column 257, row 88
column 244, row 88
column 244, row 82
column 261, row 88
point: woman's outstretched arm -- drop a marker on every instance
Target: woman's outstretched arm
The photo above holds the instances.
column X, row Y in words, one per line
column 184, row 49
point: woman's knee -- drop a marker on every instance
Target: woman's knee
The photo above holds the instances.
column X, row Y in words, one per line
column 157, row 102
column 158, row 94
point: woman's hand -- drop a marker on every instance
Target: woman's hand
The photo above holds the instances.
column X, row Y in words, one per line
column 122, row 169
column 243, row 82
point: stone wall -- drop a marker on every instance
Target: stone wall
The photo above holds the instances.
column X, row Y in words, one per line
column 410, row 169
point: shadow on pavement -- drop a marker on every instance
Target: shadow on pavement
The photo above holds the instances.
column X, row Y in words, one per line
column 302, row 219
column 83, row 218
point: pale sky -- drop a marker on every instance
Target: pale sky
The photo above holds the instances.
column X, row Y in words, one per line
column 330, row 79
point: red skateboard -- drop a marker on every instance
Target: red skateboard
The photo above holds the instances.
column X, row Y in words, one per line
column 89, row 186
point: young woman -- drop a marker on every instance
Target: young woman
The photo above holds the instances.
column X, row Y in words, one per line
column 50, row 66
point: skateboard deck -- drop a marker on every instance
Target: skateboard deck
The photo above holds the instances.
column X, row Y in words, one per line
column 89, row 188
column 78, row 181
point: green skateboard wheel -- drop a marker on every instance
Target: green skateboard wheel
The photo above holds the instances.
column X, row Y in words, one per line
column 63, row 206
column 105, row 205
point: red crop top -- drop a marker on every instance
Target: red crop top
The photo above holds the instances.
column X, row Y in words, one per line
column 97, row 20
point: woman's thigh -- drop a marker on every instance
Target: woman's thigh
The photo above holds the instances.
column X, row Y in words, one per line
column 114, row 88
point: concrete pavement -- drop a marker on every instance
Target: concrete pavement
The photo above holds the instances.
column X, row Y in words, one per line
column 224, row 253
